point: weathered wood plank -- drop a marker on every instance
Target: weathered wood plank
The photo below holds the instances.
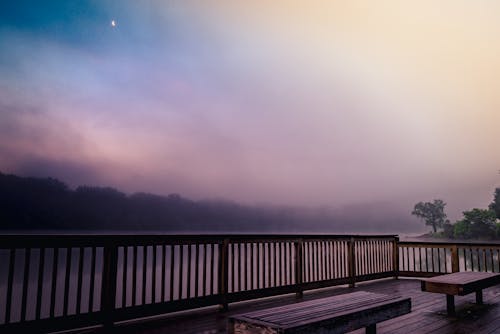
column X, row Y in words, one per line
column 336, row 314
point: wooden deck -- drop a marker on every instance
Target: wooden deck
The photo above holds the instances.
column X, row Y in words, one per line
column 428, row 312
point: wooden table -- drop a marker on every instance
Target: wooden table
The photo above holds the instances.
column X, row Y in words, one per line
column 337, row 314
column 460, row 284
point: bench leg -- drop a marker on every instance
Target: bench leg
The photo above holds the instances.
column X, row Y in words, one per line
column 450, row 304
column 371, row 329
column 479, row 297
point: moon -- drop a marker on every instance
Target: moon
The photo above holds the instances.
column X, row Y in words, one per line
column 113, row 23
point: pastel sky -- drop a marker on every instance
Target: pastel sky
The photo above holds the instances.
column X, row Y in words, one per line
column 315, row 103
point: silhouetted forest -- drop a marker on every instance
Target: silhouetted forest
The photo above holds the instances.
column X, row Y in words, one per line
column 28, row 203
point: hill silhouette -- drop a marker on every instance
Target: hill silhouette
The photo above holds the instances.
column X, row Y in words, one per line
column 28, row 203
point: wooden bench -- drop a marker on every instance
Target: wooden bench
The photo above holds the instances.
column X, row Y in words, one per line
column 337, row 314
column 460, row 284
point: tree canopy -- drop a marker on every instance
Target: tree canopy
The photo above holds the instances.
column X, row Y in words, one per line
column 432, row 213
column 477, row 223
column 495, row 205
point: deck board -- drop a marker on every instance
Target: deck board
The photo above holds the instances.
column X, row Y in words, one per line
column 428, row 312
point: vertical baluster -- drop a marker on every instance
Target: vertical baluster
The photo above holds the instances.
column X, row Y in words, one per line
column 371, row 259
column 275, row 244
column 79, row 281
column 205, row 269
column 233, row 267
column 367, row 256
column 26, row 274
column 386, row 256
column 196, row 270
column 471, row 251
column 153, row 274
column 124, row 276
column 426, row 259
column 172, row 270
column 337, row 260
column 108, row 283
column 342, row 253
column 466, row 262
column 328, row 267
column 478, row 260
column 189, row 265
column 134, row 277
column 269, row 264
column 163, row 271
column 345, row 258
column 10, row 281
column 290, row 263
column 258, row 267
column 433, row 260
column 420, row 257
column 498, row 259
column 66, row 281
column 381, row 257
column 251, row 266
column 491, row 260
column 313, row 261
column 319, row 260
column 41, row 265
column 212, row 271
column 317, row 263
column 144, row 272
column 406, row 266
column 371, row 256
column 445, row 257
column 181, row 263
column 439, row 259
column 310, row 260
column 374, row 255
column 323, row 260
column 242, row 265
column 92, row 279
column 483, row 252
column 245, row 266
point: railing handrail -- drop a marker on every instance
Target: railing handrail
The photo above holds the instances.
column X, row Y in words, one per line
column 80, row 240
column 450, row 243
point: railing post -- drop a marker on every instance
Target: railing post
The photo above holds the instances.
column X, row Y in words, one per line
column 395, row 259
column 108, row 286
column 223, row 274
column 454, row 259
column 299, row 265
column 351, row 262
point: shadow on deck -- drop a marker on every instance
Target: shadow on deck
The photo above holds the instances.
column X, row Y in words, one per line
column 428, row 312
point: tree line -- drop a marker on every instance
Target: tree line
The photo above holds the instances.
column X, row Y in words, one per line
column 475, row 224
column 28, row 203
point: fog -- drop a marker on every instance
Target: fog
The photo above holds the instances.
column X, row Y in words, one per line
column 348, row 104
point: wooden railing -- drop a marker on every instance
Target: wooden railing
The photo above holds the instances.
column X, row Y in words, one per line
column 425, row 259
column 50, row 283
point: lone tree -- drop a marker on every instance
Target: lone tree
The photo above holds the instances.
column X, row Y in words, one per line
column 432, row 213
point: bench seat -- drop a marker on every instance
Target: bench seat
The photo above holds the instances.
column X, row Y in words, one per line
column 461, row 283
column 336, row 314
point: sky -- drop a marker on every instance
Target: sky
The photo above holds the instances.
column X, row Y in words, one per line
column 307, row 103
